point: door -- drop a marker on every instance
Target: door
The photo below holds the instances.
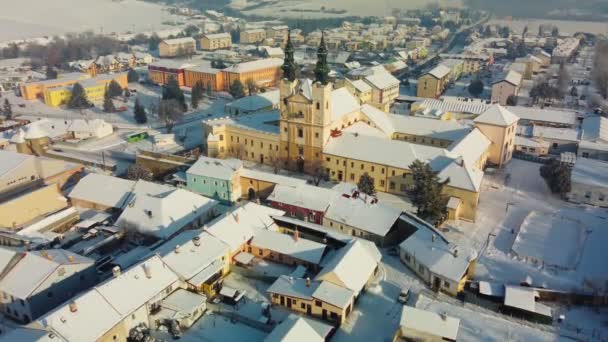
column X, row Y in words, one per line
column 324, row 314
column 308, row 310
column 261, row 159
column 289, row 303
column 282, row 301
column 251, row 194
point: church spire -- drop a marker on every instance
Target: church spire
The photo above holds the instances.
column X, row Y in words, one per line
column 289, row 65
column 322, row 68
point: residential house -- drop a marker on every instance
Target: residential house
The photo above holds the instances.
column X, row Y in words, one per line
column 443, row 265
column 362, row 216
column 162, row 211
column 594, row 138
column 506, row 87
column 286, row 249
column 360, row 89
column 433, row 83
column 422, row 325
column 297, row 328
column 252, row 36
column 177, row 47
column 111, row 309
column 500, row 125
column 589, row 181
column 323, row 300
column 211, row 42
column 305, row 202
column 385, row 89
column 198, row 258
column 112, row 196
column 33, row 283
column 216, row 178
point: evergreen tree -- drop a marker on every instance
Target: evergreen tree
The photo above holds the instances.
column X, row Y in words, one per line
column 153, row 42
column 51, row 73
column 132, row 76
column 252, row 87
column 7, row 109
column 476, row 87
column 289, row 65
column 197, row 94
column 322, row 68
column 172, row 91
column 140, row 113
column 427, row 194
column 78, row 100
column 366, row 184
column 114, row 89
column 237, row 89
column 557, row 176
column 108, row 104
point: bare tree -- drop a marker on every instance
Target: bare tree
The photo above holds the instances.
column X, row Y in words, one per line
column 318, row 173
column 252, row 87
column 238, row 151
column 276, row 161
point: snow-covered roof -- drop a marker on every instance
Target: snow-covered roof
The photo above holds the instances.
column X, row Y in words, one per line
column 438, row 129
column 379, row 119
column 300, row 248
column 497, row 115
column 30, row 335
column 455, row 106
column 293, row 287
column 439, row 71
column 343, row 103
column 6, row 257
column 431, row 323
column 513, row 77
column 554, row 116
column 92, row 319
column 333, row 294
column 351, row 266
column 595, row 128
column 255, row 65
column 264, row 121
column 256, row 102
column 303, row 196
column 566, row 134
column 180, row 41
column 215, row 168
column 360, row 85
column 34, row 267
column 590, row 172
column 237, row 227
column 431, row 249
column 46, row 128
column 137, row 285
column 191, row 252
column 11, row 160
column 471, row 147
column 217, row 35
column 530, row 142
column 113, row 191
column 359, row 212
column 382, row 80
column 524, row 298
column 296, row 329
column 161, row 210
column 383, row 151
column 90, row 126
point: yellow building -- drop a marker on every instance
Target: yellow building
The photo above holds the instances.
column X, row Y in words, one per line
column 176, row 47
column 360, row 89
column 433, row 83
column 35, row 90
column 95, row 89
column 211, row 42
column 252, row 36
column 499, row 125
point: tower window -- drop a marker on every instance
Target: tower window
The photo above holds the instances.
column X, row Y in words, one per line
column 318, row 106
column 300, row 133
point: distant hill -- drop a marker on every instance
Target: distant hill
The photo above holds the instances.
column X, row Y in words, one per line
column 557, row 9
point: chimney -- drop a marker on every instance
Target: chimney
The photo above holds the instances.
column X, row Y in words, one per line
column 444, row 316
column 196, row 241
column 296, row 235
column 147, row 271
column 176, row 248
column 455, row 252
column 73, row 307
column 307, row 281
column 116, row 271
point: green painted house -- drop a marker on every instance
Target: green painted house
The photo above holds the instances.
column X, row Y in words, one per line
column 215, row 178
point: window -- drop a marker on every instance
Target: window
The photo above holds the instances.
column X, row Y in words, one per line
column 554, row 145
column 373, row 168
column 362, row 166
column 382, row 183
column 352, row 164
column 302, row 306
column 391, row 185
column 327, row 159
column 300, row 133
column 352, row 176
column 317, row 135
column 318, row 106
column 231, row 138
column 407, row 257
column 333, row 315
column 221, row 137
column 262, row 145
column 260, row 252
column 421, row 269
column 585, row 154
column 251, row 142
column 382, row 170
column 446, row 284
column 588, row 194
column 393, row 173
column 318, row 303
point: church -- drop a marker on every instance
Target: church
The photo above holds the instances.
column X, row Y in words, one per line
column 320, row 129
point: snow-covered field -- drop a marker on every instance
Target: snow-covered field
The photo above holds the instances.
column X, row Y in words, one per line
column 36, row 18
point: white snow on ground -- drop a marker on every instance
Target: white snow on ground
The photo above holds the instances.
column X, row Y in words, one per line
column 551, row 240
column 36, row 18
column 478, row 326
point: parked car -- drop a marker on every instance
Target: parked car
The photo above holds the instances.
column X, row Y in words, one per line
column 404, row 295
